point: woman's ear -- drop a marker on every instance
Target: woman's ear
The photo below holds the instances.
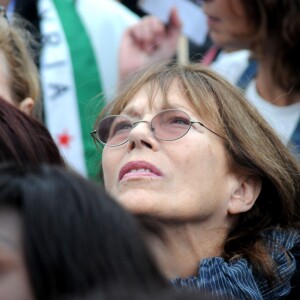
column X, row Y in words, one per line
column 27, row 105
column 244, row 194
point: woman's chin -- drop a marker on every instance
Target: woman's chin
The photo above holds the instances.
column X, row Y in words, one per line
column 138, row 202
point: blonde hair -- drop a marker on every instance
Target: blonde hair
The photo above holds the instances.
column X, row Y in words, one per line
column 16, row 46
column 252, row 148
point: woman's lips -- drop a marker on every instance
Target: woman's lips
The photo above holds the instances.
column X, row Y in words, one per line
column 139, row 168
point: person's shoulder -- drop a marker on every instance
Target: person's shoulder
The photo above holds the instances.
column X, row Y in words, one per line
column 231, row 64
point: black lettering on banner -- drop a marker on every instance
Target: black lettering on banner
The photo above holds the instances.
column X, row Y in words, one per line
column 59, row 63
column 52, row 39
column 57, row 90
column 44, row 15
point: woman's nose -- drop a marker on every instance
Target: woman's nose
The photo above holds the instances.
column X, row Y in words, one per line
column 141, row 136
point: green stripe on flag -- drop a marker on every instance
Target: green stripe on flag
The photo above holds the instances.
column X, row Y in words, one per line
column 86, row 76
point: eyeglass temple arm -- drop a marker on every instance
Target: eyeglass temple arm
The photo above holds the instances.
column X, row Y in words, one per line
column 193, row 122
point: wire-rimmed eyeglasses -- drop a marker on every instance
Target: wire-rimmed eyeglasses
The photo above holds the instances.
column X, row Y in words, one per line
column 167, row 125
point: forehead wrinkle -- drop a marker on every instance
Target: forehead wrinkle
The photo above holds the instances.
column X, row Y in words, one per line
column 161, row 98
column 154, row 89
column 131, row 112
column 135, row 113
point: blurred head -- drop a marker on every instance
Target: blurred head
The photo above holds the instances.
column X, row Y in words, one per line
column 73, row 238
column 23, row 139
column 277, row 25
column 230, row 26
column 230, row 171
column 19, row 79
column 269, row 28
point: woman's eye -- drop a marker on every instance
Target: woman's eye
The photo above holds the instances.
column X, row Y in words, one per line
column 179, row 121
column 120, row 127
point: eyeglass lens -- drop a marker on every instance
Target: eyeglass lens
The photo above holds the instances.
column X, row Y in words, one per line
column 167, row 125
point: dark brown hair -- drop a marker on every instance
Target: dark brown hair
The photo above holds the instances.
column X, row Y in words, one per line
column 76, row 238
column 23, row 139
column 277, row 24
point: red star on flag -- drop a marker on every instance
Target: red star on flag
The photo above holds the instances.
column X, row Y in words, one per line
column 64, row 139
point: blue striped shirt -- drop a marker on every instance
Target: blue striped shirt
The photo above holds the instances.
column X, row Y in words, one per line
column 237, row 279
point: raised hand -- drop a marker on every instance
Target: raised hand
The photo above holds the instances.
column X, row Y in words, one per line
column 148, row 41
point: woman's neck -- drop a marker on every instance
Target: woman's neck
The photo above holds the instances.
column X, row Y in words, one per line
column 180, row 247
column 269, row 91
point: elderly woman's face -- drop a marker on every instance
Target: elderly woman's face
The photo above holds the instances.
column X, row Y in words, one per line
column 228, row 23
column 184, row 179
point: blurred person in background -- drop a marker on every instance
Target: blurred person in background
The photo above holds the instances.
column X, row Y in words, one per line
column 19, row 78
column 267, row 66
column 78, row 61
column 269, row 73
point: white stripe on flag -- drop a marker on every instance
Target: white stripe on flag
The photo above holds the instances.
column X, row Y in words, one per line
column 60, row 101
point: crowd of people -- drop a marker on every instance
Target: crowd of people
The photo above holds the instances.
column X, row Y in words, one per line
column 126, row 174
